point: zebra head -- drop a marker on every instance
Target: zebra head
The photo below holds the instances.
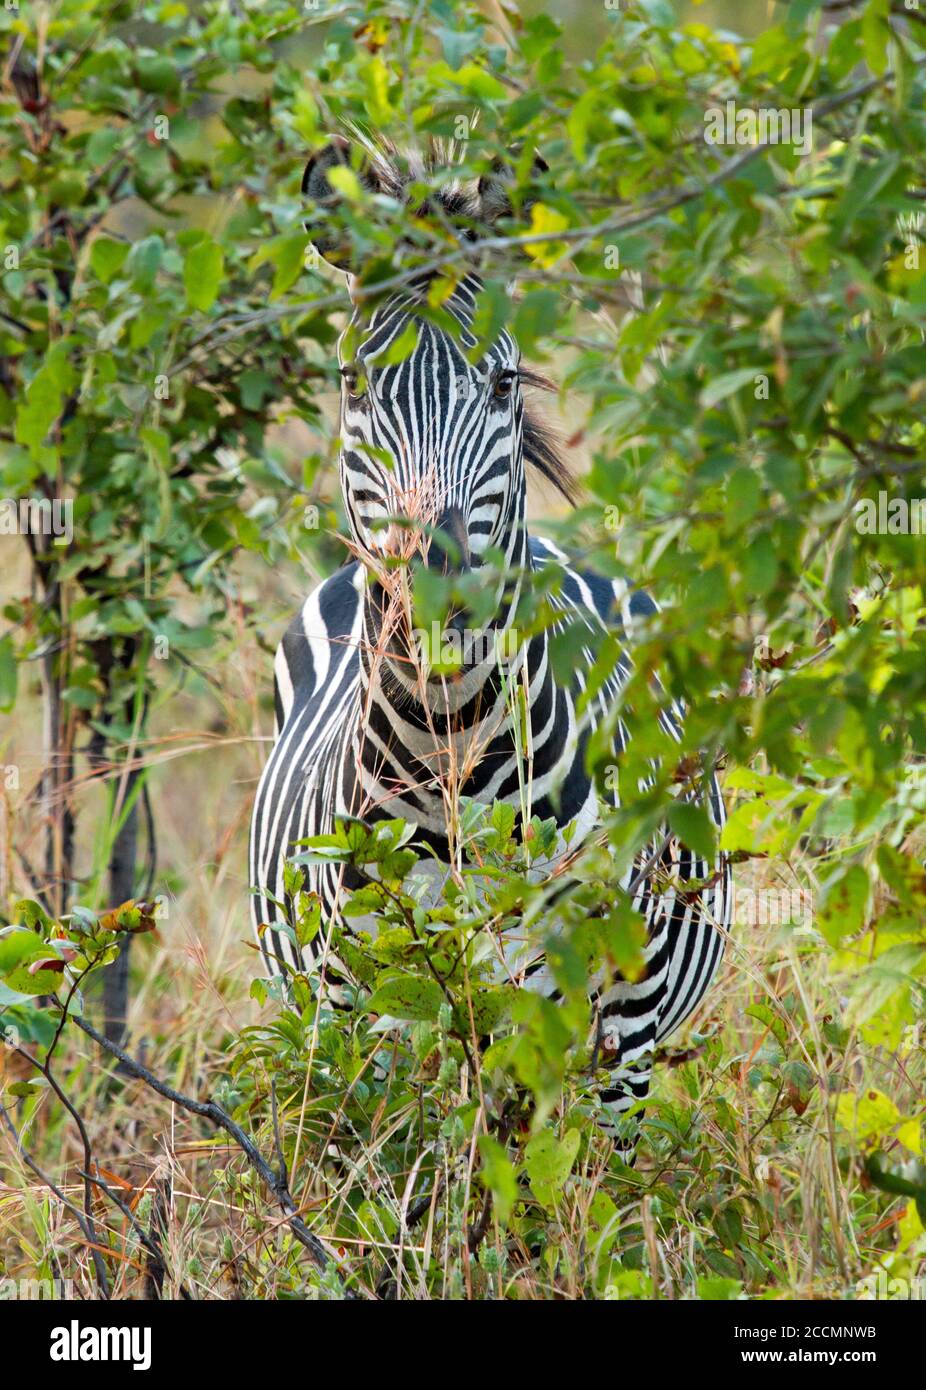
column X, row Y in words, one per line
column 433, row 439
column 431, row 447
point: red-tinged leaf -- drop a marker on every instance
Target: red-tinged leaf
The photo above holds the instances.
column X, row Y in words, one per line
column 52, row 963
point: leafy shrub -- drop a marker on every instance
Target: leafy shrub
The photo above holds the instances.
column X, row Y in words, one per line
column 754, row 439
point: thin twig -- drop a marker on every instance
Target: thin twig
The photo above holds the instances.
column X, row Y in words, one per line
column 321, row 1257
column 150, row 1245
column 89, row 1234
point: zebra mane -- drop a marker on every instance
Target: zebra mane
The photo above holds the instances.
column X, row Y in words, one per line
column 543, row 445
column 395, row 168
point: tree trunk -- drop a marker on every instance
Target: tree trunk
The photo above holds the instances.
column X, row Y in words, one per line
column 56, row 790
column 57, row 868
column 121, row 888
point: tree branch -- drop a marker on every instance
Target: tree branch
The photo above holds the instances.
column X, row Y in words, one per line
column 321, row 1257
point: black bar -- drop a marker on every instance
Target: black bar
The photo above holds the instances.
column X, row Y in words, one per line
column 872, row 1336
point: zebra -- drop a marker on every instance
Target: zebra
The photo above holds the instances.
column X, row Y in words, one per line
column 441, row 445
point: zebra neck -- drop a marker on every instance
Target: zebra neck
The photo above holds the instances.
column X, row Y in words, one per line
column 392, row 669
column 415, row 737
column 413, row 761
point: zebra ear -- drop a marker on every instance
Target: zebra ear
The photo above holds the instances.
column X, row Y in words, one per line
column 338, row 153
column 494, row 188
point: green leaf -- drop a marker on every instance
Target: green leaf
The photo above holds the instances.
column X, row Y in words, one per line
column 107, row 257
column 255, row 387
column 549, row 1163
column 498, row 1176
column 845, row 899
column 376, row 81
column 287, row 256
column 578, row 121
column 867, row 181
column 401, row 347
column 346, row 182
column 770, row 1020
column 44, row 398
column 21, row 952
column 8, row 674
column 744, row 496
column 144, row 262
column 502, row 820
column 760, row 565
column 22, row 1021
column 717, row 1289
column 693, row 827
column 202, row 274
column 489, row 1007
column 868, row 1115
column 725, row 385
column 875, row 34
column 410, row 997
column 157, row 72
column 29, row 913
column 473, row 78
column 901, row 1180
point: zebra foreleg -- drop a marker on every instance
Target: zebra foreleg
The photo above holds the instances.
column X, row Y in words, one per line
column 628, row 1085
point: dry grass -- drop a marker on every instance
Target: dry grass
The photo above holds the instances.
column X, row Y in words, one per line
column 724, row 1137
column 222, row 1239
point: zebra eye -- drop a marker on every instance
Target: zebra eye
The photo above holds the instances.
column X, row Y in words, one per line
column 353, row 383
column 504, row 383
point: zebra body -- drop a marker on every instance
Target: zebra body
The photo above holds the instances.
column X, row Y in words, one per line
column 343, row 749
column 363, row 731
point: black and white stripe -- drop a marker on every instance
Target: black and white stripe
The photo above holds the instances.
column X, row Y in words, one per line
column 361, row 732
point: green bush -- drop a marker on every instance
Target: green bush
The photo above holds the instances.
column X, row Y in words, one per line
column 740, row 328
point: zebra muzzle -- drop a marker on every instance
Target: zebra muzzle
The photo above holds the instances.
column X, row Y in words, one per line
column 448, row 544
